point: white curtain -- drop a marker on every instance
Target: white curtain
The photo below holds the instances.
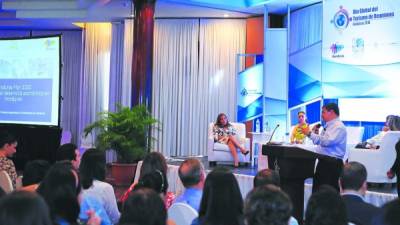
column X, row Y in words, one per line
column 194, row 79
column 116, row 66
column 174, row 73
column 127, row 63
column 121, row 64
column 220, row 42
column 96, row 72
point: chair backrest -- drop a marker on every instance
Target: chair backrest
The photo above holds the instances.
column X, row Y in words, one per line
column 354, row 135
column 389, row 141
column 239, row 127
column 182, row 213
column 5, row 182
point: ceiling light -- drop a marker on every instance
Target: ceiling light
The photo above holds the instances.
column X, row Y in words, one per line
column 226, row 15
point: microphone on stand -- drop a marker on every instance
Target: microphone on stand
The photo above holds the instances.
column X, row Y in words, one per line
column 273, row 132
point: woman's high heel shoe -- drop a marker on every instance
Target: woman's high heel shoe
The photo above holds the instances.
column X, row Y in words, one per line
column 246, row 152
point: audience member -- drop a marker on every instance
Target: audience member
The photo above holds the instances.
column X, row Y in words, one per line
column 8, row 145
column 24, row 208
column 332, row 142
column 391, row 213
column 395, row 169
column 69, row 152
column 270, row 177
column 267, row 205
column 34, row 173
column 225, row 133
column 326, row 207
column 152, row 162
column 191, row 172
column 61, row 188
column 221, row 203
column 265, row 177
column 93, row 173
column 353, row 186
column 297, row 135
column 144, row 207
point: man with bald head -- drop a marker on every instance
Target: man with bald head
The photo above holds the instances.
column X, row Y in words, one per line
column 191, row 173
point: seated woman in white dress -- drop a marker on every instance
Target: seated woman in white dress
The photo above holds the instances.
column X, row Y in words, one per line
column 225, row 133
column 392, row 124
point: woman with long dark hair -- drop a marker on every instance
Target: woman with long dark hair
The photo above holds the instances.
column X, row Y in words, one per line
column 221, row 203
column 61, row 190
column 93, row 173
column 225, row 133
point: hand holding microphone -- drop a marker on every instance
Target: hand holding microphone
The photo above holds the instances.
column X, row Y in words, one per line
column 316, row 127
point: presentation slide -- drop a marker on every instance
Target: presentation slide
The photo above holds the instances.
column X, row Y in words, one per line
column 361, row 49
column 30, row 81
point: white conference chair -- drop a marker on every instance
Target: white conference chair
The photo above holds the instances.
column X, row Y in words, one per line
column 5, row 182
column 378, row 161
column 354, row 136
column 182, row 213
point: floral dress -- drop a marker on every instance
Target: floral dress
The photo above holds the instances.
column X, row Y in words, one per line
column 8, row 166
column 223, row 132
column 297, row 134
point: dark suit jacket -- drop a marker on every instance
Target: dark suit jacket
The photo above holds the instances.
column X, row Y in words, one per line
column 358, row 211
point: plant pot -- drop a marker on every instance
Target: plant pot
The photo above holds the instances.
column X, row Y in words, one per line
column 123, row 173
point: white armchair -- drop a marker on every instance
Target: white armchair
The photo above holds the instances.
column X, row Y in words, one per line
column 354, row 136
column 218, row 152
column 378, row 161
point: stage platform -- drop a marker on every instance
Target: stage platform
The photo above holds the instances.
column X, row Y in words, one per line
column 378, row 194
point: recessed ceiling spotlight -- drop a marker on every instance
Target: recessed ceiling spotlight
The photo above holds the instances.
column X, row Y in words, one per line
column 226, row 15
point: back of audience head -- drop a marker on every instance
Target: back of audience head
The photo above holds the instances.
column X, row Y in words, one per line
column 153, row 180
column 24, row 208
column 92, row 167
column 326, row 207
column 34, row 172
column 152, row 162
column 191, row 173
column 222, row 201
column 144, row 207
column 391, row 212
column 267, row 205
column 69, row 152
column 265, row 177
column 353, row 177
column 60, row 189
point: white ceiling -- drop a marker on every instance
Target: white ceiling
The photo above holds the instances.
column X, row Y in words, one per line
column 60, row 14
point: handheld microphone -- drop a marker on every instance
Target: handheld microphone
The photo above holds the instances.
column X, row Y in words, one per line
column 273, row 132
column 316, row 128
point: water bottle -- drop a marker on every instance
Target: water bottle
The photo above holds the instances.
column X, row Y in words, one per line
column 266, row 127
column 258, row 125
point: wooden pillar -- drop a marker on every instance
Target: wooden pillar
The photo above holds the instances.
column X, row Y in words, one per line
column 142, row 59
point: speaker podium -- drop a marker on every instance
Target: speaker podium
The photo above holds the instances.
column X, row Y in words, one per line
column 295, row 163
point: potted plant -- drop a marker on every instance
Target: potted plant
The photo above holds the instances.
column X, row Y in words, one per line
column 127, row 132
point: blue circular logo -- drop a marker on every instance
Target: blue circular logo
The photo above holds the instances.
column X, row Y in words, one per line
column 341, row 19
